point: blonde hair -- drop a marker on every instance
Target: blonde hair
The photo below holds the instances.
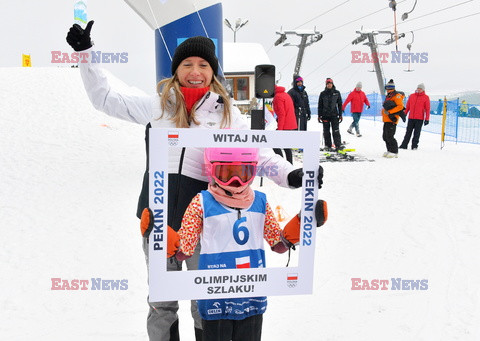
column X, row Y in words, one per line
column 169, row 91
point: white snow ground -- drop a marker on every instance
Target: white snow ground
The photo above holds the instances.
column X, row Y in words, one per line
column 70, row 178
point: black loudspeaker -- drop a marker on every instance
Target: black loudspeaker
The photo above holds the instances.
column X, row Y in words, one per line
column 264, row 81
column 257, row 120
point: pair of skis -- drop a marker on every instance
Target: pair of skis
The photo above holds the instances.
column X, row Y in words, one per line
column 331, row 155
column 342, row 155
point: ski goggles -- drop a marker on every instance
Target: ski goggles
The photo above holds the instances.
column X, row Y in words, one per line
column 226, row 173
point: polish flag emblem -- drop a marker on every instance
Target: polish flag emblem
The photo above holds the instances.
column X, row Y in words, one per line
column 243, row 262
column 173, row 138
column 292, row 280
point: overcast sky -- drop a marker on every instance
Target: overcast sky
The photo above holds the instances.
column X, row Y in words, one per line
column 35, row 27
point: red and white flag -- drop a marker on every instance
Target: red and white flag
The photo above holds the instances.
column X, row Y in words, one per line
column 243, row 262
column 173, row 134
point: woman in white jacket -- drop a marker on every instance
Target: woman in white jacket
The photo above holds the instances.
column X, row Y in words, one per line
column 192, row 98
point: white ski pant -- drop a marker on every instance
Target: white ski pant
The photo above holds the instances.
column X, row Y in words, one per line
column 162, row 315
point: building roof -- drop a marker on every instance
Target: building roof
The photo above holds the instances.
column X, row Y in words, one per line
column 243, row 57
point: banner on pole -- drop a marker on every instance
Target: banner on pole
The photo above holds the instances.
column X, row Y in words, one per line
column 228, row 283
column 270, row 117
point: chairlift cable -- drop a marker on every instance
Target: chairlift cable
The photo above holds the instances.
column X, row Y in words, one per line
column 365, row 16
column 343, row 48
column 288, row 63
column 318, row 16
column 444, row 22
column 427, row 14
column 335, row 75
column 344, row 84
column 381, row 9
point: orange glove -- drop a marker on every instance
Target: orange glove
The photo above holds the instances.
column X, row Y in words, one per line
column 146, row 222
column 291, row 231
column 146, row 226
column 321, row 212
column 173, row 242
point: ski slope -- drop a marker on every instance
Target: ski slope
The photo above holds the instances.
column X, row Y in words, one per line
column 70, row 178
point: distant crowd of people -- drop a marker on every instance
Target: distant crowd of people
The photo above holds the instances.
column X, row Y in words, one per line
column 204, row 208
column 293, row 113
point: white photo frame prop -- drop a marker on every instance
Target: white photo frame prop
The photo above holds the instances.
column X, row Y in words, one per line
column 227, row 283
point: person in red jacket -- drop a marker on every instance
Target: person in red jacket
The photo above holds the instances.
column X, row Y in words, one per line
column 418, row 110
column 286, row 119
column 357, row 98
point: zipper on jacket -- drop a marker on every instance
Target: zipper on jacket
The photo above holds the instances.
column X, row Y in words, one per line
column 207, row 95
column 177, row 189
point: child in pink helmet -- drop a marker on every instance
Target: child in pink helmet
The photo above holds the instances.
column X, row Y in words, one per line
column 231, row 220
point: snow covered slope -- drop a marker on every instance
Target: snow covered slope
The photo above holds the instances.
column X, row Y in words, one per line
column 70, row 178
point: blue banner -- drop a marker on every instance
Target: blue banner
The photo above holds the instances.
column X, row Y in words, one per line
column 204, row 22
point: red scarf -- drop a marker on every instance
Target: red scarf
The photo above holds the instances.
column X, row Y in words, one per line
column 192, row 95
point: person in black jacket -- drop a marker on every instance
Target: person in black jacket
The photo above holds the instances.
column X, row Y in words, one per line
column 300, row 102
column 330, row 114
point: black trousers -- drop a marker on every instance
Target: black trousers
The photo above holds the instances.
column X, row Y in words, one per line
column 389, row 129
column 413, row 126
column 301, row 122
column 334, row 123
column 249, row 329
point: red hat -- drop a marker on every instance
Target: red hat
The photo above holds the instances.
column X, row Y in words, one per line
column 329, row 80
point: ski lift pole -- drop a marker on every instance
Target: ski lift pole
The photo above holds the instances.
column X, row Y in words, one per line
column 311, row 36
column 301, row 51
column 376, row 62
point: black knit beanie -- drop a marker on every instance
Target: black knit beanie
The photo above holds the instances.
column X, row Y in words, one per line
column 390, row 85
column 202, row 47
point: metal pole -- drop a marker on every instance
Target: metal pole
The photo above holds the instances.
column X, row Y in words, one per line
column 301, row 51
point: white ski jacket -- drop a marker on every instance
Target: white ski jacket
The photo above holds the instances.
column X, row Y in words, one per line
column 146, row 109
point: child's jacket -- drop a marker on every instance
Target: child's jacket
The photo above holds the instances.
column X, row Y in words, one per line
column 230, row 238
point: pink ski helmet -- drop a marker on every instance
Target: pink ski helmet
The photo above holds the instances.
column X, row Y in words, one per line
column 225, row 165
